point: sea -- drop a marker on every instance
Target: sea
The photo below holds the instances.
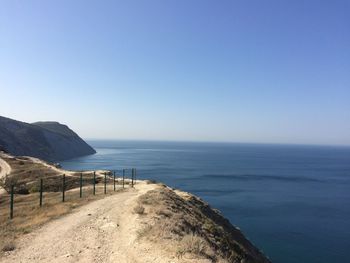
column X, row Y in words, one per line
column 291, row 201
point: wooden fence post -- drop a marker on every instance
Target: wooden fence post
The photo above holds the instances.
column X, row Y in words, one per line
column 63, row 187
column 41, row 192
column 123, row 176
column 132, row 177
column 94, row 191
column 12, row 200
column 114, row 180
column 81, row 185
column 105, row 182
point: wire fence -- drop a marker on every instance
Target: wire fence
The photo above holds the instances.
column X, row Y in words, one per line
column 79, row 185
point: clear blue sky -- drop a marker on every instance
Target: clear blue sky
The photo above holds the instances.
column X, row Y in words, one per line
column 241, row 71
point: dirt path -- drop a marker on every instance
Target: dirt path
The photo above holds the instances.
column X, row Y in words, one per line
column 5, row 169
column 60, row 170
column 102, row 231
column 52, row 167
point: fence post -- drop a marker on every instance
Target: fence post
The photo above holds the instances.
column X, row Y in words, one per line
column 41, row 192
column 105, row 182
column 94, row 191
column 123, row 176
column 63, row 187
column 81, row 185
column 11, row 201
column 132, row 177
column 114, row 180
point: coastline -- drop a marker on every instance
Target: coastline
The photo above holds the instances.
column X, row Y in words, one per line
column 196, row 223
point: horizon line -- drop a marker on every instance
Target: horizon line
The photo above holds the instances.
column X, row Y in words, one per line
column 219, row 142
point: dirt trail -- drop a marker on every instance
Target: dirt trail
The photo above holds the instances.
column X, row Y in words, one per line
column 60, row 170
column 5, row 169
column 52, row 167
column 102, row 231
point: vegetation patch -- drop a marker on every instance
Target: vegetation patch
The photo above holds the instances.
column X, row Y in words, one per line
column 8, row 247
column 139, row 209
column 195, row 228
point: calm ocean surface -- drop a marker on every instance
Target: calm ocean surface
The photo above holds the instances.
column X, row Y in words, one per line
column 293, row 202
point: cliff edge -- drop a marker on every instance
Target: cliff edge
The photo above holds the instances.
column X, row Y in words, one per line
column 145, row 222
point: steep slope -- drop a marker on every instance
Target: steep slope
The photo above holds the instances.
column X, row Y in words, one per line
column 50, row 141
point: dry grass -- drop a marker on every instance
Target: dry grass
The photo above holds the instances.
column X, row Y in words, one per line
column 191, row 244
column 144, row 232
column 26, row 175
column 169, row 224
column 185, row 225
column 24, row 170
column 28, row 215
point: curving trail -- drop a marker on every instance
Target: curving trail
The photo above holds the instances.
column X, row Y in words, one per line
column 60, row 170
column 102, row 231
column 5, row 169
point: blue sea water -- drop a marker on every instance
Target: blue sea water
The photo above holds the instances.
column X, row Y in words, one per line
column 293, row 202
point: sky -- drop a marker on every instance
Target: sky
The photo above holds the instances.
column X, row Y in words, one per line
column 272, row 71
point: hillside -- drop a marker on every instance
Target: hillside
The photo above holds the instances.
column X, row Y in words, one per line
column 50, row 141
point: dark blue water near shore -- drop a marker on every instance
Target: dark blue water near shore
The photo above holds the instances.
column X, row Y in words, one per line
column 293, row 202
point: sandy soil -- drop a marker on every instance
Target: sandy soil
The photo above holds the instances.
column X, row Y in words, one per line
column 102, row 231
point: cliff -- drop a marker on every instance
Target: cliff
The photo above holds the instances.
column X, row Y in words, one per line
column 50, row 141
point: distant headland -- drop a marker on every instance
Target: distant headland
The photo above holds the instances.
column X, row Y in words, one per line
column 50, row 141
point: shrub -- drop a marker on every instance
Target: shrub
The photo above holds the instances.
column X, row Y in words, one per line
column 34, row 189
column 139, row 209
column 191, row 244
column 144, row 232
column 151, row 182
column 22, row 190
column 8, row 247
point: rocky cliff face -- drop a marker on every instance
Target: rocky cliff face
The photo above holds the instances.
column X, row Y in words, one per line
column 50, row 141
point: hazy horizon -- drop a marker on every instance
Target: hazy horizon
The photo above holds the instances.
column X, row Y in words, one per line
column 234, row 71
column 218, row 142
